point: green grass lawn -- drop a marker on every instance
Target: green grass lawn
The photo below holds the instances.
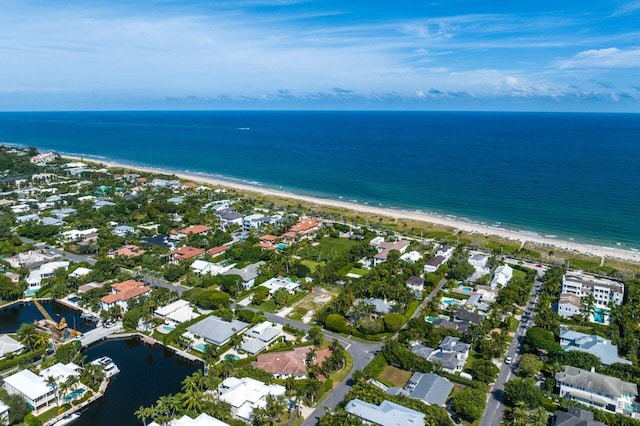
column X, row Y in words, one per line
column 311, row 264
column 358, row 271
column 394, row 376
column 330, row 247
column 339, row 376
column 268, row 306
column 519, row 275
column 502, row 248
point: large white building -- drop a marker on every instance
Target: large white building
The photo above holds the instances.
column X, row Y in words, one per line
column 33, row 388
column 597, row 390
column 245, row 394
column 604, row 291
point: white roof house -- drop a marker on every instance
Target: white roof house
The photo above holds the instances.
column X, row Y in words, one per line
column 60, row 372
column 411, row 257
column 9, row 345
column 245, row 394
column 80, row 272
column 179, row 312
column 275, row 284
column 33, row 388
column 34, row 280
column 385, row 414
column 202, row 420
column 201, row 267
column 502, row 276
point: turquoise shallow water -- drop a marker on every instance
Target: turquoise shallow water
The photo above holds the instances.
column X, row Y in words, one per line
column 565, row 175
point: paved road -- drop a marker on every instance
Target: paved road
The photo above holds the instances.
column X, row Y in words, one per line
column 77, row 258
column 431, row 295
column 495, row 405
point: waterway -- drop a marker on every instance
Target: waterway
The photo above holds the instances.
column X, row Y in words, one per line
column 13, row 316
column 146, row 373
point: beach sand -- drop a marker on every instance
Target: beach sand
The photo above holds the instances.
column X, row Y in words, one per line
column 591, row 250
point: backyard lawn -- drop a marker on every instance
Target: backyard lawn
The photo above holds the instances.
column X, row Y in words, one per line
column 395, row 376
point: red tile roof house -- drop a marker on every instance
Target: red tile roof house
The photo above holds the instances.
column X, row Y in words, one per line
column 126, row 251
column 192, row 230
column 306, row 226
column 185, row 253
column 216, row 251
column 289, row 363
column 122, row 292
column 268, row 242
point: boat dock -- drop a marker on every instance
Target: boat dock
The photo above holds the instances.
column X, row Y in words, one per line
column 99, row 333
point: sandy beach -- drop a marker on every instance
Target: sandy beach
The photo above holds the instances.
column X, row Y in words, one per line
column 587, row 249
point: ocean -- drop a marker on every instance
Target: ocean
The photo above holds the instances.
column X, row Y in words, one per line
column 565, row 175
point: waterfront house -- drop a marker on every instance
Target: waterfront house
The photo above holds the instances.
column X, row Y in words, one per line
column 604, row 291
column 61, row 372
column 122, row 293
column 597, row 390
column 306, row 226
column 596, row 345
column 32, row 388
column 217, row 331
column 428, row 388
column 30, row 259
column 44, row 158
column 245, row 394
column 34, row 280
column 385, row 414
column 291, row 363
column 202, row 420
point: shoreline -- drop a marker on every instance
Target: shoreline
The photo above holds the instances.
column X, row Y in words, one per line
column 571, row 246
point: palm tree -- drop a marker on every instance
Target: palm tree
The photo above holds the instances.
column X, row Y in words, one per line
column 143, row 414
column 192, row 401
column 53, row 384
column 28, row 335
column 190, row 384
column 41, row 341
column 275, row 407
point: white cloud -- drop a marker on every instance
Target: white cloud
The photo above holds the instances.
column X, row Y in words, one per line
column 603, row 58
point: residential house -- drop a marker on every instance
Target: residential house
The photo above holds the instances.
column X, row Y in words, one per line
column 479, row 263
column 245, row 394
column 164, row 183
column 90, row 286
column 124, row 230
column 122, row 293
column 38, row 396
column 574, row 416
column 380, row 306
column 411, row 257
column 466, row 316
column 78, row 235
column 253, row 221
column 451, row 354
column 193, row 230
column 44, row 158
column 385, row 414
column 9, row 345
column 268, row 242
column 604, row 291
column 47, row 270
column 291, row 363
column 228, row 217
column 305, row 226
column 185, row 253
column 217, row 251
column 433, row 264
column 416, row 284
column 80, row 272
column 51, row 221
column 175, row 200
column 248, row 274
column 428, row 388
column 596, row 345
column 502, row 276
column 126, row 251
column 177, row 312
column 103, row 203
column 569, row 305
column 597, row 390
column 203, row 419
column 217, row 331
column 202, row 267
column 384, row 248
column 34, row 217
column 260, row 336
column 62, row 213
column 275, row 284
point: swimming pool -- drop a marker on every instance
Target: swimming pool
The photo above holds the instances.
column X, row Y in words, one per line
column 73, row 395
column 465, row 288
column 450, row 302
column 168, row 328
column 600, row 315
column 281, row 246
column 231, row 357
column 202, row 347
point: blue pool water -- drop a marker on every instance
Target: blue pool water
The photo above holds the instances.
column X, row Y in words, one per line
column 73, row 395
column 599, row 315
column 168, row 329
column 200, row 347
column 465, row 288
column 231, row 357
column 450, row 302
column 281, row 246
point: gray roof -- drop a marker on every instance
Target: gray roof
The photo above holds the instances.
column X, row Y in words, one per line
column 574, row 417
column 51, row 221
column 429, row 388
column 463, row 315
column 216, row 330
column 380, row 306
column 454, row 344
column 422, row 351
column 415, row 281
column 599, row 346
column 447, row 360
column 253, row 346
column 386, row 414
column 248, row 273
column 595, row 382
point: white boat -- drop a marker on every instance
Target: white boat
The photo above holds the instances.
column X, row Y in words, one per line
column 109, row 367
column 67, row 419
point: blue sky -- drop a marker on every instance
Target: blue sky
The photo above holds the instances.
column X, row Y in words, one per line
column 560, row 55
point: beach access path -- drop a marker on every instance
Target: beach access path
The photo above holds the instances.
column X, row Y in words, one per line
column 475, row 228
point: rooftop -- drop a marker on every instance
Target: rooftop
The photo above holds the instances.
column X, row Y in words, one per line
column 385, row 414
column 216, row 330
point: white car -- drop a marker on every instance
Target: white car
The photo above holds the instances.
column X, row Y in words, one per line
column 507, row 360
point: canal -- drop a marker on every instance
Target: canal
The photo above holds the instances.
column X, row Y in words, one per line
column 146, row 372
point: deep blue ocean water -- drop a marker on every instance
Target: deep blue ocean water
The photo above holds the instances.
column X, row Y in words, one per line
column 567, row 175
